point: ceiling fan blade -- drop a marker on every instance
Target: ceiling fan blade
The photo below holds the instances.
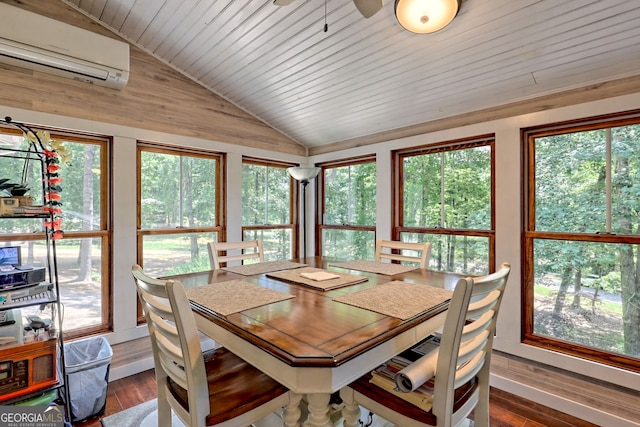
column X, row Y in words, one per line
column 368, row 8
column 282, row 2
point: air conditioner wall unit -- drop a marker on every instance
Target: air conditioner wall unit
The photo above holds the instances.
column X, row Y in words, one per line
column 43, row 44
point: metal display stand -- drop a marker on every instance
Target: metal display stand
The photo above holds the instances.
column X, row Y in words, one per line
column 45, row 293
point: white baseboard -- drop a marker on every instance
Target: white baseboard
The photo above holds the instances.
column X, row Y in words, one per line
column 116, row 373
column 144, row 364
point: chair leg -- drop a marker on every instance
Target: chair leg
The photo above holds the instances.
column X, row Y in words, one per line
column 291, row 412
column 481, row 411
column 164, row 413
column 351, row 409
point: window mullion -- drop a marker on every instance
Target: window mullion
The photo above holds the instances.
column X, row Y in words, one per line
column 266, row 197
column 181, row 190
column 442, row 210
column 350, row 198
column 608, row 180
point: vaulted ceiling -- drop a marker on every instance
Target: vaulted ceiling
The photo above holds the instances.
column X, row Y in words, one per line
column 369, row 76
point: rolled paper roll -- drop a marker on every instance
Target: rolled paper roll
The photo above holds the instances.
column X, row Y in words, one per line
column 417, row 373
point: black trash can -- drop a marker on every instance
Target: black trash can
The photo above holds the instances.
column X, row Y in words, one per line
column 87, row 363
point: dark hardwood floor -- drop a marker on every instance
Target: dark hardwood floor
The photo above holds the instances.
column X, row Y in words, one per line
column 507, row 410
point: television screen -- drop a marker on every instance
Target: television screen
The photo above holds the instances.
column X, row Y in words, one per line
column 10, row 255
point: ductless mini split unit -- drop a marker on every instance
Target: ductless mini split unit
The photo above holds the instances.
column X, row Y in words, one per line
column 39, row 43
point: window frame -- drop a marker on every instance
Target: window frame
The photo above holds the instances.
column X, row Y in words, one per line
column 293, row 197
column 104, row 233
column 529, row 234
column 321, row 200
column 397, row 206
column 220, row 203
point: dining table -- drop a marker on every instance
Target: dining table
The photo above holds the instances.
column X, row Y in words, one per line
column 316, row 340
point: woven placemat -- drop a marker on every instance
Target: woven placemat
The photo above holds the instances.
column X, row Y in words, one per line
column 398, row 299
column 263, row 267
column 294, row 276
column 386, row 268
column 233, row 296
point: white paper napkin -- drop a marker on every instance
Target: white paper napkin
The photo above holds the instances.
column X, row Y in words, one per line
column 319, row 276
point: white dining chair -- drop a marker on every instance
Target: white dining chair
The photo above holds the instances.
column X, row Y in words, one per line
column 212, row 389
column 220, row 252
column 458, row 367
column 394, row 250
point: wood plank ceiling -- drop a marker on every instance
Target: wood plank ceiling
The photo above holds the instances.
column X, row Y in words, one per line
column 369, row 76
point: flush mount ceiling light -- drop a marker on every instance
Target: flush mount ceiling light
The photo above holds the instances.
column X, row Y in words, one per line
column 426, row 16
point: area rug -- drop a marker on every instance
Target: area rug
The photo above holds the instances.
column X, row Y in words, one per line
column 142, row 415
column 146, row 415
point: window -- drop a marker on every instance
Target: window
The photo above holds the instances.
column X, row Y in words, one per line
column 347, row 226
column 179, row 208
column 83, row 254
column 582, row 239
column 444, row 195
column 267, row 207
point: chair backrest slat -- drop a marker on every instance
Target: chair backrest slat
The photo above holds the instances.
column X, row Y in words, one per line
column 478, row 325
column 170, row 347
column 246, row 250
column 471, row 347
column 479, row 306
column 176, row 372
column 393, row 250
column 469, row 370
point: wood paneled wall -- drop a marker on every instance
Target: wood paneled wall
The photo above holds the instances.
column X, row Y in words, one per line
column 598, row 394
column 610, row 89
column 156, row 97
